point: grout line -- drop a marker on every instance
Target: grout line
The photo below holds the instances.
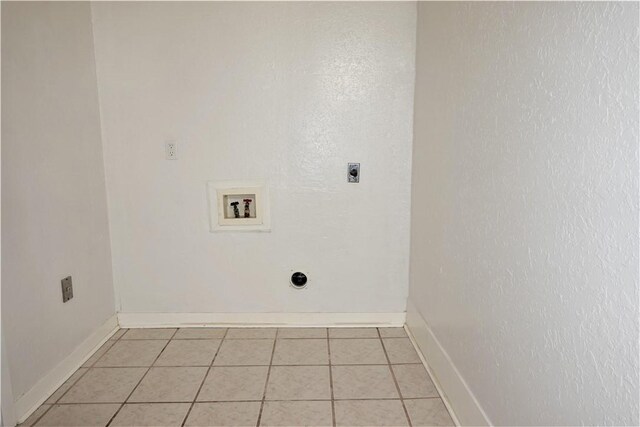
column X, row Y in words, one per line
column 256, row 338
column 246, row 366
column 242, row 401
column 43, row 414
column 266, row 383
column 333, row 406
column 120, row 337
column 101, row 356
column 393, row 375
column 115, row 341
column 191, row 339
column 126, row 366
column 70, row 387
column 138, row 384
column 354, row 339
column 204, row 379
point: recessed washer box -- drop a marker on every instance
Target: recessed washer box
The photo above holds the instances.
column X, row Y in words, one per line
column 238, row 206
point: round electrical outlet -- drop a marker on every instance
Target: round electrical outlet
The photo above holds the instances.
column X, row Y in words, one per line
column 298, row 280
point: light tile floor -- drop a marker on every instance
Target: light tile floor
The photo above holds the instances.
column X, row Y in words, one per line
column 249, row 377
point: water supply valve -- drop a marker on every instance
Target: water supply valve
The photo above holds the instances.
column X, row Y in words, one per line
column 236, row 211
column 247, row 211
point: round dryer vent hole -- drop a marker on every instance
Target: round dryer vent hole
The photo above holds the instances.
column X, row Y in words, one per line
column 298, row 280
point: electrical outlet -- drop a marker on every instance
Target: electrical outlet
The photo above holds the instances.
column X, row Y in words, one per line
column 171, row 150
column 67, row 289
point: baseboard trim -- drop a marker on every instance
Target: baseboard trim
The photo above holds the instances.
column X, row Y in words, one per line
column 432, row 374
column 39, row 393
column 455, row 392
column 176, row 320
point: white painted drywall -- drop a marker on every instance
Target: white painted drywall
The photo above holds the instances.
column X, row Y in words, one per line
column 54, row 213
column 524, row 244
column 286, row 93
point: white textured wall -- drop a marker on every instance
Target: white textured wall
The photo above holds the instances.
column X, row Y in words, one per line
column 524, row 254
column 288, row 93
column 54, row 213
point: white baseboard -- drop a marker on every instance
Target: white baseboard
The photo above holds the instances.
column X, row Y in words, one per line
column 176, row 320
column 432, row 374
column 7, row 404
column 31, row 400
column 457, row 395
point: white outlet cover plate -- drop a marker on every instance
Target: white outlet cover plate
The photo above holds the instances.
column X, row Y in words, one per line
column 171, row 150
column 219, row 190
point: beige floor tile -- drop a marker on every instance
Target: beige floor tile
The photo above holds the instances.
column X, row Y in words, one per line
column 66, row 386
column 224, row 414
column 244, row 352
column 301, row 413
column 87, row 415
column 149, row 334
column 250, row 333
column 298, row 383
column 98, row 354
column 234, row 383
column 353, row 333
column 151, row 414
column 357, row 352
column 199, row 333
column 34, row 416
column 428, row 412
column 301, row 352
column 132, row 353
column 400, row 350
column 393, row 333
column 363, row 382
column 188, row 353
column 414, row 381
column 119, row 333
column 370, row 413
column 104, row 385
column 169, row 385
column 302, row 333
column 298, row 391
